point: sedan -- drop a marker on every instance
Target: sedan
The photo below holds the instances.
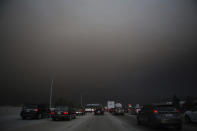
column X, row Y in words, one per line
column 63, row 113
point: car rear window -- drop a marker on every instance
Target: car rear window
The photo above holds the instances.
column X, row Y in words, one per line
column 166, row 108
column 61, row 108
column 29, row 106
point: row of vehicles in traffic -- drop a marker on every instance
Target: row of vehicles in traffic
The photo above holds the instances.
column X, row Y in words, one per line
column 156, row 115
column 116, row 108
column 39, row 111
column 97, row 109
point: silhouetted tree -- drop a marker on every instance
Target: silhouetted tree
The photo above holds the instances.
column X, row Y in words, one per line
column 61, row 102
column 189, row 103
column 176, row 101
column 70, row 104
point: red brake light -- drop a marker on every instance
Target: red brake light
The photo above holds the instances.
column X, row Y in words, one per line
column 36, row 110
column 177, row 110
column 155, row 111
column 65, row 113
column 52, row 113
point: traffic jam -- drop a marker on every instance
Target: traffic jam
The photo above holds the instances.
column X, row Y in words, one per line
column 154, row 116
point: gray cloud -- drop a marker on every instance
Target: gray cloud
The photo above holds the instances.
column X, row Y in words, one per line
column 108, row 48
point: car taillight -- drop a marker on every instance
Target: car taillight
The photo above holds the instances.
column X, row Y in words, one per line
column 36, row 110
column 177, row 110
column 65, row 113
column 52, row 113
column 155, row 111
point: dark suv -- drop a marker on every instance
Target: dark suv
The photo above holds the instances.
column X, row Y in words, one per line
column 34, row 111
column 63, row 113
column 160, row 115
column 99, row 111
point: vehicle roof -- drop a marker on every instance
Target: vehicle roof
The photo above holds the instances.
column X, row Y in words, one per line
column 61, row 106
column 158, row 104
column 34, row 104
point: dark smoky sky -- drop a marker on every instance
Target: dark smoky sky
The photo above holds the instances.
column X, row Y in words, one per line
column 136, row 51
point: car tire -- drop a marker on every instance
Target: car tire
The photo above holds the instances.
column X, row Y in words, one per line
column 53, row 119
column 40, row 116
column 139, row 122
column 187, row 119
column 69, row 118
column 153, row 125
column 179, row 127
column 23, row 117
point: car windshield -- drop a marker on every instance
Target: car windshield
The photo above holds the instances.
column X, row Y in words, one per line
column 165, row 108
column 29, row 106
column 99, row 108
column 119, row 108
column 61, row 108
column 88, row 107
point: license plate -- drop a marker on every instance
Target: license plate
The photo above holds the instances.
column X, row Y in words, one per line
column 169, row 115
column 58, row 113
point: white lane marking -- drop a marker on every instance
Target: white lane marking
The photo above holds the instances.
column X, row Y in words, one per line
column 125, row 126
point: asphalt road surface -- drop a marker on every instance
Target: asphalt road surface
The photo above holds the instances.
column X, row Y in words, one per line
column 88, row 122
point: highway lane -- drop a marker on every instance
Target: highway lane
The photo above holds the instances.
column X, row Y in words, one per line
column 47, row 124
column 88, row 122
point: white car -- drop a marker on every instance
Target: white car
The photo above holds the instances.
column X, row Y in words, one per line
column 191, row 115
column 89, row 110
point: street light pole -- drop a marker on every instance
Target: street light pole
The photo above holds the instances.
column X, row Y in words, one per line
column 51, row 93
column 81, row 100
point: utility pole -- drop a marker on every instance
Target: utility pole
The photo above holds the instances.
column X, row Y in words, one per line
column 81, row 97
column 81, row 100
column 51, row 93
